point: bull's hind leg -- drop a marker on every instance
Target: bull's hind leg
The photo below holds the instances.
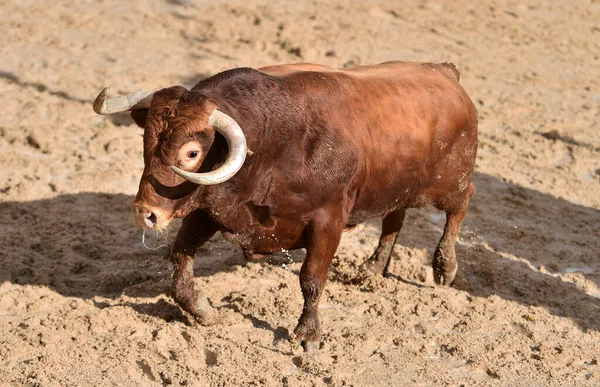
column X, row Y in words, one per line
column 391, row 226
column 444, row 259
column 195, row 230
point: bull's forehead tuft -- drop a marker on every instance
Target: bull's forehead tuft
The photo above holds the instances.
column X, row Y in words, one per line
column 176, row 109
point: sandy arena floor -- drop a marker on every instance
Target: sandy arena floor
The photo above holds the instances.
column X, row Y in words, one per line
column 82, row 302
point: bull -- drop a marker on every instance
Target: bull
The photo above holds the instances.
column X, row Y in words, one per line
column 287, row 157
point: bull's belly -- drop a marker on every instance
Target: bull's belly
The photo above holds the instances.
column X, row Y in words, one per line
column 274, row 233
column 377, row 204
column 278, row 235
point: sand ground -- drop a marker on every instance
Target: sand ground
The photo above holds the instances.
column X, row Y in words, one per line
column 82, row 302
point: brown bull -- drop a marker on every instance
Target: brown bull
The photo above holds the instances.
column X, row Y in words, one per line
column 286, row 157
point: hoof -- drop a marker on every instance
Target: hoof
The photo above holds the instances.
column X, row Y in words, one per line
column 310, row 346
column 199, row 308
column 307, row 333
column 202, row 307
column 307, row 345
column 444, row 277
column 378, row 262
column 373, row 266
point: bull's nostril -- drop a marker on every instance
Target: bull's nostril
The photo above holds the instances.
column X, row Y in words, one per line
column 145, row 217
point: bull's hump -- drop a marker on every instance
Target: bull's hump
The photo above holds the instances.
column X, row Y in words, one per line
column 451, row 70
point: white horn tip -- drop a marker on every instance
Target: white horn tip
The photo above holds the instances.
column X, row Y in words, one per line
column 98, row 103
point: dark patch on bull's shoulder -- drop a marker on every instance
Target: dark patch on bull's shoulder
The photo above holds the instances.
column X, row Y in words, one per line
column 261, row 213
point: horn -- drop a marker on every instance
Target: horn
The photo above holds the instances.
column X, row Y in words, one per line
column 236, row 141
column 133, row 101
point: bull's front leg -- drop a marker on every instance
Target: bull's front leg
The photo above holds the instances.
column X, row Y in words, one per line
column 195, row 230
column 323, row 237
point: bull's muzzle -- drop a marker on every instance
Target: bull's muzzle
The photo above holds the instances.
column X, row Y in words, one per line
column 149, row 217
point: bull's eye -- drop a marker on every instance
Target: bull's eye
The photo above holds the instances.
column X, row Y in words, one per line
column 190, row 155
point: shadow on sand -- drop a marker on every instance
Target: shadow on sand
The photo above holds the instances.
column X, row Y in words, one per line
column 517, row 244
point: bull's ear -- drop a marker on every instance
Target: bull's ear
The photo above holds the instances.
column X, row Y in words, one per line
column 139, row 116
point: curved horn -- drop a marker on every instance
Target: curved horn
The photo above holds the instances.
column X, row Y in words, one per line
column 236, row 141
column 137, row 100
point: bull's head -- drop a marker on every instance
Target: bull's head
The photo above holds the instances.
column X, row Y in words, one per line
column 179, row 129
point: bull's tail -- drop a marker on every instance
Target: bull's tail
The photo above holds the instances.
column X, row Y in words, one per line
column 450, row 70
